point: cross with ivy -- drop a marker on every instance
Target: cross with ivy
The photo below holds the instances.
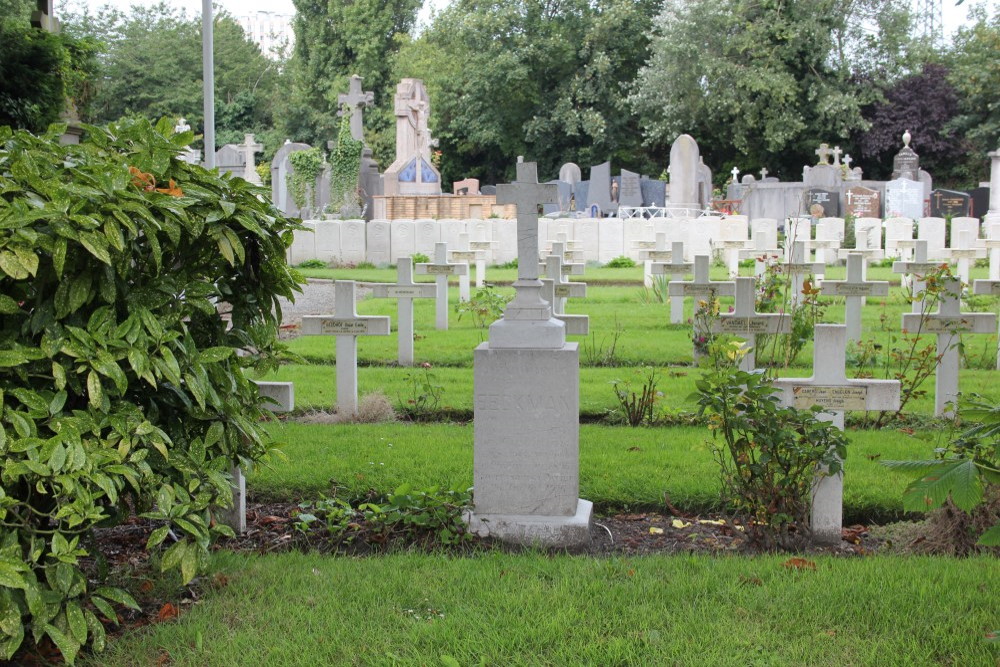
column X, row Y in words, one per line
column 355, row 100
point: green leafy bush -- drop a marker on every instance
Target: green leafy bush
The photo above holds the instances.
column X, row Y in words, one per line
column 420, row 258
column 621, row 262
column 486, row 306
column 128, row 281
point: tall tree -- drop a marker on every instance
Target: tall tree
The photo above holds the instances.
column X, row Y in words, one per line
column 334, row 40
column 541, row 78
column 763, row 82
column 150, row 65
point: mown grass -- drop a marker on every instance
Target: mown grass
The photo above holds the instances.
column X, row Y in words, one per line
column 620, row 468
column 536, row 609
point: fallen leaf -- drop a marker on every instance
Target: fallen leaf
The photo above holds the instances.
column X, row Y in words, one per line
column 751, row 581
column 679, row 523
column 653, row 530
column 146, row 586
column 712, row 522
column 163, row 660
column 799, row 564
column 273, row 519
column 167, row 612
column 220, row 580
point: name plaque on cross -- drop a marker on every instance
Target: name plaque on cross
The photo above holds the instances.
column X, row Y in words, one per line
column 464, row 255
column 425, row 291
column 734, row 245
column 438, row 270
column 571, row 290
column 847, row 289
column 480, row 245
column 354, row 327
column 948, row 325
column 964, row 253
column 737, row 325
column 830, row 397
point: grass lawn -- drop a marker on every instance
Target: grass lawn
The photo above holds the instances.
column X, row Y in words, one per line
column 536, row 609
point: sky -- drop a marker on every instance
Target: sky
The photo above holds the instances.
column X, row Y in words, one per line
column 952, row 15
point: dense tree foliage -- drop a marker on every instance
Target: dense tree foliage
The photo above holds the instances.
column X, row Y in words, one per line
column 334, row 40
column 39, row 71
column 763, row 83
column 542, row 78
column 150, row 65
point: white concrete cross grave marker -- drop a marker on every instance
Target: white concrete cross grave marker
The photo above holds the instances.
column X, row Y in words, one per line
column 949, row 322
column 798, row 268
column 249, row 147
column 671, row 262
column 527, row 404
column 830, row 388
column 482, row 247
column 761, row 253
column 917, row 269
column 346, row 325
column 992, row 244
column 464, row 255
column 992, row 288
column 963, row 252
column 746, row 322
column 562, row 289
column 576, row 325
column 855, row 288
column 700, row 286
column 405, row 290
column 567, row 267
column 441, row 268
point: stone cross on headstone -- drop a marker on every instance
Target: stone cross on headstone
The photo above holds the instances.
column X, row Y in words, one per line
column 355, row 100
column 464, row 255
column 249, row 147
column 763, row 173
column 562, row 289
column 823, row 153
column 405, row 290
column 949, row 322
column 855, row 288
column 830, row 388
column 963, row 253
column 836, row 153
column 441, row 268
column 526, row 462
column 917, row 269
column 848, row 160
column 527, row 322
column 735, row 172
column 346, row 325
column 798, row 268
column 672, row 263
column 992, row 288
column 746, row 322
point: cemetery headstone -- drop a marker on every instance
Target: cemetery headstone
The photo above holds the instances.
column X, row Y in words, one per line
column 746, row 322
column 464, row 255
column 441, row 268
column 980, row 201
column 249, row 147
column 904, row 199
column 989, row 287
column 949, row 322
column 830, row 388
column 862, row 202
column 346, row 325
column 683, row 169
column 630, row 192
column 526, row 381
column 950, row 204
column 701, row 286
column 355, row 101
column 674, row 266
column 854, row 288
column 599, row 190
column 821, row 203
column 906, row 163
column 405, row 291
column 570, row 173
column 654, row 192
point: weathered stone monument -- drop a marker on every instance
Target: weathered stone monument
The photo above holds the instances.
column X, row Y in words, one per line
column 527, row 404
column 413, row 172
column 683, row 169
column 249, row 147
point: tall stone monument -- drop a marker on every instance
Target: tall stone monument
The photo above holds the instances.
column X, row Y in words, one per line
column 527, row 400
column 412, row 173
column 684, row 164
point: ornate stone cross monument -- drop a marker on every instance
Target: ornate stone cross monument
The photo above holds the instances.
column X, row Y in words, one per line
column 527, row 404
column 355, row 100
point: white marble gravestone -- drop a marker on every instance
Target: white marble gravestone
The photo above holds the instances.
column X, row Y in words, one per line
column 527, row 404
column 746, row 322
column 405, row 290
column 855, row 288
column 346, row 325
column 949, row 323
column 830, row 388
column 441, row 268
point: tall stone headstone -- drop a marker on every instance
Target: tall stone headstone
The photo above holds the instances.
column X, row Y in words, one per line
column 906, row 163
column 599, row 190
column 904, row 198
column 630, row 192
column 950, row 204
column 684, row 162
column 980, row 198
column 412, row 172
column 281, row 169
column 230, row 160
column 527, row 398
column 862, row 202
column 821, row 203
column 570, row 173
column 654, row 192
